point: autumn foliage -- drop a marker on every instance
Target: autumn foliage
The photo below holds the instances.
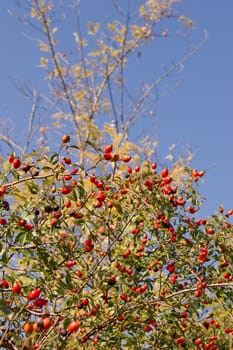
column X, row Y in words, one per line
column 101, row 246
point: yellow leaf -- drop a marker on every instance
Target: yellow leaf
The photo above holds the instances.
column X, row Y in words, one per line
column 94, row 53
column 179, row 173
column 118, row 38
column 43, row 61
column 33, row 12
column 56, row 72
column 93, row 28
column 58, row 116
column 116, row 137
column 43, row 47
column 112, row 26
column 114, row 53
column 79, row 95
column 187, row 21
column 138, row 31
column 142, row 11
column 77, row 71
column 56, row 125
column 83, row 43
column 87, row 74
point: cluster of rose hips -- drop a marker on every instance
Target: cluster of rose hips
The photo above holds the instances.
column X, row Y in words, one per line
column 115, row 156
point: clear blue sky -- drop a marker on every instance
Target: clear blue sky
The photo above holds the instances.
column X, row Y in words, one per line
column 199, row 112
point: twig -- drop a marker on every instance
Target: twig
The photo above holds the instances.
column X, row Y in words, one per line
column 54, row 58
column 10, row 143
column 31, row 120
column 29, row 178
column 193, row 289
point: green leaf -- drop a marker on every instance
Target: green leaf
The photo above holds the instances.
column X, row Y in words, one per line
column 96, row 148
column 66, row 322
column 54, row 158
column 68, row 281
column 46, row 168
column 118, row 207
column 4, row 258
column 33, row 188
column 22, row 237
column 81, row 191
column 74, row 195
column 75, row 147
column 4, row 310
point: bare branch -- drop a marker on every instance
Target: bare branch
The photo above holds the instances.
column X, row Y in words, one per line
column 10, row 143
column 178, row 65
column 31, row 120
column 64, row 85
column 113, row 105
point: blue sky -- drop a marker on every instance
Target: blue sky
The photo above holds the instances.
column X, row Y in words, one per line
column 198, row 113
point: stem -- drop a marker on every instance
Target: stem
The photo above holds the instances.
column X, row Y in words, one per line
column 11, row 184
column 193, row 289
column 54, row 58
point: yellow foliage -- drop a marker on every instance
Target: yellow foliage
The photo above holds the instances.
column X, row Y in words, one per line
column 115, row 53
column 118, row 27
column 58, row 116
column 33, row 12
column 179, row 173
column 118, row 38
column 94, row 53
column 116, row 137
column 83, row 43
column 87, row 73
column 43, row 47
column 112, row 26
column 154, row 9
column 56, row 125
column 93, row 28
column 79, row 95
column 187, row 21
column 120, row 145
column 106, row 106
column 44, row 149
column 138, row 31
column 77, row 71
column 43, row 62
column 130, row 147
column 77, row 39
